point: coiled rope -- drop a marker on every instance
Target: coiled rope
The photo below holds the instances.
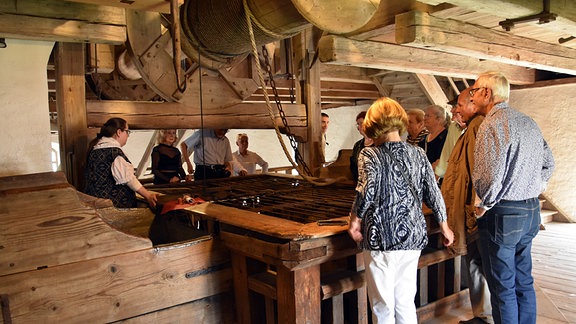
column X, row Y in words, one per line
column 301, row 173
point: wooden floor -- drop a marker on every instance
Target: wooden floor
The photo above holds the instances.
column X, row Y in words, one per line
column 554, row 271
column 554, row 266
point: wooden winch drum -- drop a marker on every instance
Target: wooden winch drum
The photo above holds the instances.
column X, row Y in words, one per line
column 219, row 31
column 215, row 35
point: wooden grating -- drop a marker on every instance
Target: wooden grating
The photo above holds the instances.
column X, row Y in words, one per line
column 283, row 197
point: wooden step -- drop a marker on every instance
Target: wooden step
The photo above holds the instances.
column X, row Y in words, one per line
column 547, row 215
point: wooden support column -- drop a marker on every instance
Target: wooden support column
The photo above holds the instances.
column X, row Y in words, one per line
column 71, row 108
column 241, row 287
column 298, row 293
column 304, row 50
column 361, row 293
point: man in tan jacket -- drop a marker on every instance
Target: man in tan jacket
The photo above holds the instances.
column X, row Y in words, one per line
column 459, row 196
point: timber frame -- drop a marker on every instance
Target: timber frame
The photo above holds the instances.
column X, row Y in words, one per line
column 417, row 52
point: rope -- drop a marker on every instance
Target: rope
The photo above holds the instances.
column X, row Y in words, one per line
column 176, row 49
column 249, row 18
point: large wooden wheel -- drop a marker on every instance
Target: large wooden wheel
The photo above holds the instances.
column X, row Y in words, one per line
column 149, row 49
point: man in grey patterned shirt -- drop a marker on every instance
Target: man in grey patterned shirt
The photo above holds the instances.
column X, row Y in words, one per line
column 513, row 164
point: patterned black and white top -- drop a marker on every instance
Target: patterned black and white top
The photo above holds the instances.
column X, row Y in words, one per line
column 391, row 217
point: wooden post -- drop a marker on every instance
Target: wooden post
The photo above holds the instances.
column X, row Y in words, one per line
column 310, row 75
column 240, row 274
column 71, row 108
column 298, row 294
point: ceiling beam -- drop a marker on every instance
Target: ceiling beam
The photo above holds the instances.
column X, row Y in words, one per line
column 421, row 30
column 343, row 51
column 384, row 90
column 162, row 115
column 566, row 10
column 146, row 5
column 54, row 20
column 432, row 89
column 342, row 73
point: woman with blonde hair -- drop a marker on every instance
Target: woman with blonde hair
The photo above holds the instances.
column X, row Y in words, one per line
column 386, row 219
column 167, row 159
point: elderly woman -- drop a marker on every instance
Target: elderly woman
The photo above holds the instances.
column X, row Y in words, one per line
column 167, row 159
column 416, row 129
column 386, row 218
column 436, row 122
column 109, row 173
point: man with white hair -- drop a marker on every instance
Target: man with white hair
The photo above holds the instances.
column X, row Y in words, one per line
column 512, row 166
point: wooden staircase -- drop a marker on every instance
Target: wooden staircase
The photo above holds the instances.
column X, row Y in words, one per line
column 548, row 212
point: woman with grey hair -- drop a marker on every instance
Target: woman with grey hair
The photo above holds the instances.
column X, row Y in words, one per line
column 436, row 123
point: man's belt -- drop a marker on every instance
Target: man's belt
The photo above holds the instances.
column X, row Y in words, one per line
column 212, row 166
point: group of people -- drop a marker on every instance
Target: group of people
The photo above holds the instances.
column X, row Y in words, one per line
column 110, row 174
column 493, row 162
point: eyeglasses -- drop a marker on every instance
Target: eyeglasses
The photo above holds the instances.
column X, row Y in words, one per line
column 473, row 90
column 128, row 132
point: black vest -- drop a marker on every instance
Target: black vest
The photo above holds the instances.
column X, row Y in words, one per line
column 100, row 182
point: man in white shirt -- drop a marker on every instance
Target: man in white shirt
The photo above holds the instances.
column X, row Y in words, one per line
column 248, row 159
column 212, row 155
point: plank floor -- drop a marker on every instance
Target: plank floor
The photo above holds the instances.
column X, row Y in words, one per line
column 554, row 266
column 554, row 271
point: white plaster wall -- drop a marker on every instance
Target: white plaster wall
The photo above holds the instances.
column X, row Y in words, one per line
column 342, row 132
column 553, row 109
column 25, row 121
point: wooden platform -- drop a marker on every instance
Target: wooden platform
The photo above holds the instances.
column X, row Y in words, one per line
column 554, row 270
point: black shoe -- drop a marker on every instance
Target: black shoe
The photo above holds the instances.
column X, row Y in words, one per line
column 475, row 320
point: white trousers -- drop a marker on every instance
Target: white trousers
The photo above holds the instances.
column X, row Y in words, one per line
column 391, row 284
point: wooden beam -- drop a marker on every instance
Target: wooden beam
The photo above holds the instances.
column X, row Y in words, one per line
column 421, row 30
column 61, row 21
column 347, row 86
column 383, row 90
column 146, row 5
column 566, row 10
column 342, row 73
column 349, row 94
column 384, row 17
column 343, row 51
column 162, row 115
column 71, row 109
column 546, row 83
column 59, row 9
column 432, row 89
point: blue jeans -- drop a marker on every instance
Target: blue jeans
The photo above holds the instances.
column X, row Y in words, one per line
column 506, row 231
